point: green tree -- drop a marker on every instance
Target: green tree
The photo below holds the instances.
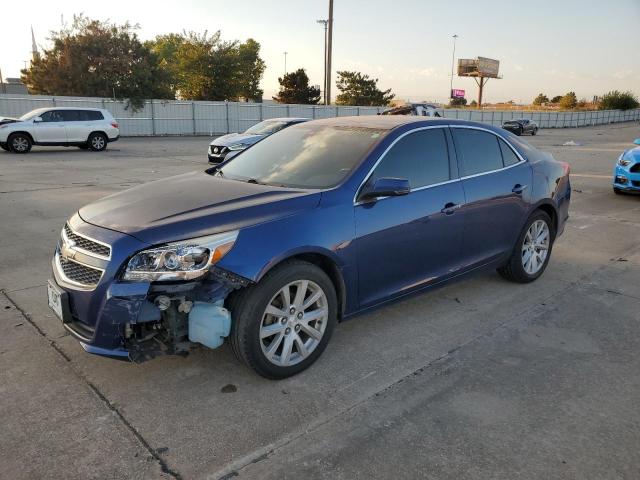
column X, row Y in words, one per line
column 569, row 101
column 457, row 102
column 473, row 103
column 204, row 67
column 101, row 59
column 556, row 99
column 540, row 99
column 616, row 100
column 358, row 89
column 294, row 88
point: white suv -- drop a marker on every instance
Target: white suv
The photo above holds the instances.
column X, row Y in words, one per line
column 86, row 128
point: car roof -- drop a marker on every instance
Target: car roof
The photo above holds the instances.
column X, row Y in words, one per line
column 389, row 122
column 287, row 119
column 73, row 108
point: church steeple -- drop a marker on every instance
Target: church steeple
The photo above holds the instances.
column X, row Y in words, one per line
column 35, row 55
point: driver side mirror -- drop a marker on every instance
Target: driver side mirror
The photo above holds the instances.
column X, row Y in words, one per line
column 637, row 141
column 37, row 119
column 385, row 187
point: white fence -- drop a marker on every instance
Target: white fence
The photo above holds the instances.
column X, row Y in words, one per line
column 174, row 117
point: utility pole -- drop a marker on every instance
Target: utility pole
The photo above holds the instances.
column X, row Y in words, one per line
column 324, row 88
column 4, row 87
column 329, row 45
column 285, row 63
column 453, row 59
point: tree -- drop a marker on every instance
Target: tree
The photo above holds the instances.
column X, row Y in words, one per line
column 540, row 99
column 294, row 88
column 473, row 103
column 203, row 67
column 616, row 100
column 358, row 89
column 556, row 99
column 457, row 102
column 101, row 59
column 569, row 101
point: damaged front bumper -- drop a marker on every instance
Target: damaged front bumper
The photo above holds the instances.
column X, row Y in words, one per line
column 133, row 320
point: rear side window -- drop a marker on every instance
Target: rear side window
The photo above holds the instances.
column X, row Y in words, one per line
column 479, row 150
column 94, row 115
column 508, row 155
column 421, row 157
column 71, row 115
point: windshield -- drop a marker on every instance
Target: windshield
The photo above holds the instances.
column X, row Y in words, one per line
column 31, row 114
column 304, row 156
column 267, row 127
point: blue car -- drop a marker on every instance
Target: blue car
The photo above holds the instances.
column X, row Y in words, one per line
column 626, row 174
column 313, row 225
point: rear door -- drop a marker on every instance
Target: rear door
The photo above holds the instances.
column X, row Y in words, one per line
column 406, row 242
column 51, row 129
column 497, row 186
column 77, row 125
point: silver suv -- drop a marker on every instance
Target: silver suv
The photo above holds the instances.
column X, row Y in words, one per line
column 86, row 128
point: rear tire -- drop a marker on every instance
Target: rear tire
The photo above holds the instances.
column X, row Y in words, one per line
column 97, row 141
column 19, row 143
column 526, row 263
column 260, row 335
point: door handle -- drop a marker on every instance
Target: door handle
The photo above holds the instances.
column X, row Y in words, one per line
column 450, row 208
column 518, row 189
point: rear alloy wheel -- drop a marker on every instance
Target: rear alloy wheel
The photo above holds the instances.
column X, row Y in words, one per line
column 19, row 143
column 282, row 324
column 97, row 142
column 533, row 250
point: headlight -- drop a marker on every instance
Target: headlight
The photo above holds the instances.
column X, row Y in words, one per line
column 623, row 162
column 185, row 260
column 238, row 146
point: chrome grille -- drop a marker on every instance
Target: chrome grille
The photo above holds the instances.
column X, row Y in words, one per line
column 79, row 273
column 87, row 244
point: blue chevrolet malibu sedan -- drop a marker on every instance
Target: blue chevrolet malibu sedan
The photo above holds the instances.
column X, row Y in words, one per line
column 626, row 173
column 315, row 224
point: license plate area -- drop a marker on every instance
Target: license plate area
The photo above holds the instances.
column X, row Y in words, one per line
column 58, row 302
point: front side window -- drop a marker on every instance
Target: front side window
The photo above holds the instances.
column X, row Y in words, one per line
column 478, row 149
column 52, row 116
column 420, row 157
column 304, row 156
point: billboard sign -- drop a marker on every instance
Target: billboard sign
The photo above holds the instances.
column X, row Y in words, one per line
column 488, row 66
column 457, row 93
column 478, row 67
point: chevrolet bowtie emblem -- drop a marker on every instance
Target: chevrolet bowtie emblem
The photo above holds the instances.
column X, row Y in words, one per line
column 67, row 250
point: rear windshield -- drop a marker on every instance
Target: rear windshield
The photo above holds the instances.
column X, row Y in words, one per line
column 267, row 127
column 304, row 156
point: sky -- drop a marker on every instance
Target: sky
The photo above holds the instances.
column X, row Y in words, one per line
column 587, row 46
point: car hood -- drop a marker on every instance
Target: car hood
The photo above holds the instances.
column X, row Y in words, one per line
column 4, row 120
column 233, row 138
column 192, row 205
column 632, row 154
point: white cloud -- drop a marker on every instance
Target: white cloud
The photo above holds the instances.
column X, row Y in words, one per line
column 623, row 74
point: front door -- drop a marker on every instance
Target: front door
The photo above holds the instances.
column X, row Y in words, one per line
column 51, row 129
column 497, row 187
column 409, row 241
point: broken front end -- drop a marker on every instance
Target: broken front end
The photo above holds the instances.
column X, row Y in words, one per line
column 123, row 298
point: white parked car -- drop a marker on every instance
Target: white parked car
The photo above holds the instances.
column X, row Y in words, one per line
column 86, row 128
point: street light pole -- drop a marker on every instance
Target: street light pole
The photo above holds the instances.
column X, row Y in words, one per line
column 453, row 59
column 329, row 45
column 285, row 63
column 324, row 87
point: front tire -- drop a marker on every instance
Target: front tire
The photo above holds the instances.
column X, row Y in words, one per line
column 534, row 131
column 97, row 141
column 617, row 191
column 19, row 143
column 531, row 254
column 282, row 324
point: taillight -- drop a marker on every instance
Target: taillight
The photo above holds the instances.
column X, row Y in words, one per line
column 114, row 124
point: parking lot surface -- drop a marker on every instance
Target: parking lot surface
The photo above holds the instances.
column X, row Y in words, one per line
column 480, row 379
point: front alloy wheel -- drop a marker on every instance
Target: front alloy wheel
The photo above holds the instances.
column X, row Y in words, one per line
column 282, row 324
column 19, row 143
column 293, row 323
